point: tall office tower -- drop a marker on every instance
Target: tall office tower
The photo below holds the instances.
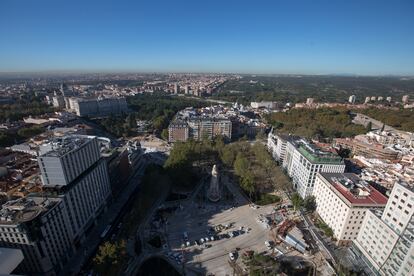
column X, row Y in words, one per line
column 187, row 89
column 310, row 101
column 388, row 99
column 352, row 99
column 367, row 99
column 385, row 242
column 405, row 98
column 48, row 227
column 304, row 160
column 73, row 165
column 176, row 88
column 342, row 200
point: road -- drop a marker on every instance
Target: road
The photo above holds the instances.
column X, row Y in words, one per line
column 362, row 119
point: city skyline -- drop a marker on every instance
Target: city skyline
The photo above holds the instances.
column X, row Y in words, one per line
column 370, row 38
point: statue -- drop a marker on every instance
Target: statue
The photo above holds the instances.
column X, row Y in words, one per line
column 213, row 192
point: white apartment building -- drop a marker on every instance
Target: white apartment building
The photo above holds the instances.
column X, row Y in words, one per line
column 342, row 200
column 276, row 145
column 352, row 99
column 304, row 160
column 385, row 243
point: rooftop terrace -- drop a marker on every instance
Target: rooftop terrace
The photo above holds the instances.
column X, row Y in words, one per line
column 316, row 155
column 355, row 190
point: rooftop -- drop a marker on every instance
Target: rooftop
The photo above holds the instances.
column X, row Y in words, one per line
column 59, row 146
column 315, row 154
column 355, row 190
column 24, row 209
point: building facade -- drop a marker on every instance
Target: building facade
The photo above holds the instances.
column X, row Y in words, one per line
column 276, row 145
column 49, row 226
column 303, row 160
column 385, row 243
column 37, row 226
column 178, row 131
column 98, row 106
column 199, row 128
column 342, row 200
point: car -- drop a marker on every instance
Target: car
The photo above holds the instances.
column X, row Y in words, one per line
column 232, row 256
column 268, row 244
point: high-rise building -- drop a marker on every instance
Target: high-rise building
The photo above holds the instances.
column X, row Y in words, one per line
column 187, row 89
column 39, row 226
column 367, row 100
column 342, row 200
column 380, row 98
column 303, row 160
column 388, row 99
column 405, row 98
column 352, row 99
column 385, row 243
column 176, row 88
column 50, row 226
column 373, row 98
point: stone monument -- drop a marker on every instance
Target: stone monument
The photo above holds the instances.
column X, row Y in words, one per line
column 213, row 193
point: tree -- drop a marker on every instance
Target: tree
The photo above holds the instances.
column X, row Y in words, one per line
column 110, row 253
column 164, row 134
column 30, row 131
column 247, row 184
column 309, row 203
column 240, row 164
column 297, row 201
column 369, row 126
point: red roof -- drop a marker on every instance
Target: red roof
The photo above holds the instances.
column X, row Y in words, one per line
column 374, row 198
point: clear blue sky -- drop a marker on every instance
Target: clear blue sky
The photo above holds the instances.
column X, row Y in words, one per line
column 311, row 37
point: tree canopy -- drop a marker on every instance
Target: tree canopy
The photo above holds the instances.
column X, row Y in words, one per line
column 316, row 123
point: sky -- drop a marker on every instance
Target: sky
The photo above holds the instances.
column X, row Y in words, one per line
column 276, row 37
